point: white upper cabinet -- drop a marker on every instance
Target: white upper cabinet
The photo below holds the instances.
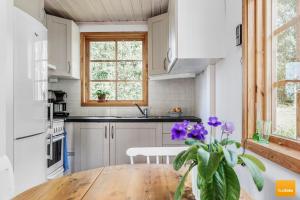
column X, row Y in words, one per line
column 196, row 34
column 63, row 48
column 158, row 44
column 35, row 8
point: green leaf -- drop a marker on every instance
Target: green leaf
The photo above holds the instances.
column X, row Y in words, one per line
column 208, row 163
column 227, row 141
column 223, row 186
column 255, row 172
column 232, row 184
column 185, row 155
column 190, row 141
column 179, row 160
column 180, row 187
column 203, row 158
column 230, row 157
column 256, row 161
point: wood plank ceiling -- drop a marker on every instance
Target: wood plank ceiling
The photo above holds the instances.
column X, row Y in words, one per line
column 106, row 10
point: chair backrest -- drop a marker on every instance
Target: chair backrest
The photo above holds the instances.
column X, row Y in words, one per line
column 154, row 152
column 6, row 178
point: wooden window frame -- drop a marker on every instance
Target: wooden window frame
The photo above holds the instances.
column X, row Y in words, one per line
column 85, row 38
column 257, row 87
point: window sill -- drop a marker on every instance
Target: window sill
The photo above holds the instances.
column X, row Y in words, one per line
column 282, row 155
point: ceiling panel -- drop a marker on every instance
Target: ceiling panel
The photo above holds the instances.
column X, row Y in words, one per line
column 106, row 10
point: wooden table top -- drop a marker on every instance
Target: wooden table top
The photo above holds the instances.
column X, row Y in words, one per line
column 134, row 182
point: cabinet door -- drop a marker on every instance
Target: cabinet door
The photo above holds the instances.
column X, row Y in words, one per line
column 158, row 43
column 59, row 32
column 126, row 135
column 172, row 50
column 93, row 148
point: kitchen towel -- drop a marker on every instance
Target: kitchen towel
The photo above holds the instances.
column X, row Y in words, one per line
column 66, row 160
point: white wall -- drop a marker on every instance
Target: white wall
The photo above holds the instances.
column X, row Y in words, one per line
column 229, row 104
column 6, row 76
column 162, row 95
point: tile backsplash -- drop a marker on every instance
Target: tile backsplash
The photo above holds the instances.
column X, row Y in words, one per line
column 162, row 96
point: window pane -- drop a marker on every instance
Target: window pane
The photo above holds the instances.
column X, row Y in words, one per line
column 105, row 86
column 284, row 11
column 286, row 111
column 102, row 50
column 130, row 70
column 102, row 70
column 130, row 91
column 130, row 50
column 285, row 44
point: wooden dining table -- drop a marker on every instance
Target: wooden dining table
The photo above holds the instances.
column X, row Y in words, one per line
column 121, row 182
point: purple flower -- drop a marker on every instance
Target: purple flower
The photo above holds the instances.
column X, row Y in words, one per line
column 228, row 127
column 178, row 131
column 213, row 121
column 198, row 132
column 186, row 123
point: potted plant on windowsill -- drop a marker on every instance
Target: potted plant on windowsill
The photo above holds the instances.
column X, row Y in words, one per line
column 101, row 94
column 213, row 161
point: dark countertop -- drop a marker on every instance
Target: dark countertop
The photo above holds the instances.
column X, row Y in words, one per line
column 131, row 119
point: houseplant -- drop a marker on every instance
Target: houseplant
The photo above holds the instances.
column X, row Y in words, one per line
column 101, row 94
column 214, row 160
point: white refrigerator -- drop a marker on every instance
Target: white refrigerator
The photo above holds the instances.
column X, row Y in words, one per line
column 30, row 101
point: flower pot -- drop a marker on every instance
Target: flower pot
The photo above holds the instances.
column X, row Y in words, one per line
column 195, row 189
column 101, row 98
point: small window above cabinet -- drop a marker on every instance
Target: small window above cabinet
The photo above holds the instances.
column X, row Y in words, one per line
column 63, row 48
column 158, row 44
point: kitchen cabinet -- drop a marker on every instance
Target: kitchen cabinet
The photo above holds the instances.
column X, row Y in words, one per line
column 35, row 8
column 158, row 44
column 126, row 135
column 91, row 145
column 63, row 48
column 196, row 34
column 101, row 144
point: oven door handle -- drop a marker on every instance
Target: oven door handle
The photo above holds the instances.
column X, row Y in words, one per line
column 50, row 156
column 56, row 138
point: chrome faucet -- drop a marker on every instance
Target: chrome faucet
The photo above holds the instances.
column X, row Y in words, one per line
column 144, row 112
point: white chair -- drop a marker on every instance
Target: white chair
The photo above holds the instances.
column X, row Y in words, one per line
column 6, row 179
column 154, row 152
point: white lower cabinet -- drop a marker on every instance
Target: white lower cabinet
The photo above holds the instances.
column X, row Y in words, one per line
column 102, row 144
column 91, row 145
column 126, row 135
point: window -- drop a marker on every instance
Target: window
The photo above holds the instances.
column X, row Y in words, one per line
column 286, row 68
column 271, row 64
column 117, row 64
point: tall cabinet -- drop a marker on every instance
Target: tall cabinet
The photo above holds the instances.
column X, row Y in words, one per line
column 63, row 48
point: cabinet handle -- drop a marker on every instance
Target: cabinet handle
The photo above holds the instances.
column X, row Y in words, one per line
column 165, row 67
column 105, row 134
column 168, row 55
column 69, row 67
column 112, row 132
